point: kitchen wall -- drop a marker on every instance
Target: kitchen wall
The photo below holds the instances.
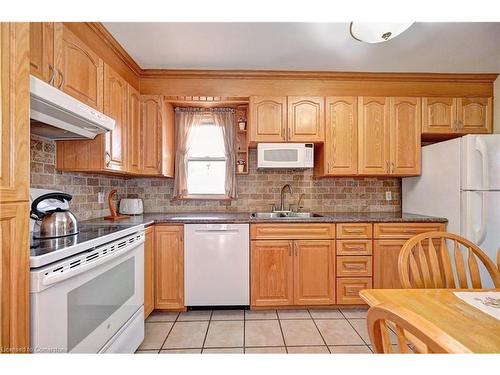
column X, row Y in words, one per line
column 256, row 191
column 83, row 186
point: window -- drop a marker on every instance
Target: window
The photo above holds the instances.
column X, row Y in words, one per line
column 206, row 161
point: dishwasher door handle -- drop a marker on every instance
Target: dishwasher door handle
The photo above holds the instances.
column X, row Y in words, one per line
column 216, row 231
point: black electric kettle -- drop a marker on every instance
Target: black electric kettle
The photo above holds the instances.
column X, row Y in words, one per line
column 53, row 223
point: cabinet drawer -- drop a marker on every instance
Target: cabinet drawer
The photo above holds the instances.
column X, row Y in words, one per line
column 348, row 290
column 354, row 230
column 405, row 230
column 354, row 266
column 354, row 247
column 292, row 231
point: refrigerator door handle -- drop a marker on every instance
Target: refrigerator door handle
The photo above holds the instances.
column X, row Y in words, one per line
column 480, row 234
column 482, row 148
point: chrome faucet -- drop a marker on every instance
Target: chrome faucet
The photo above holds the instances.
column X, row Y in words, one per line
column 282, row 205
column 301, row 198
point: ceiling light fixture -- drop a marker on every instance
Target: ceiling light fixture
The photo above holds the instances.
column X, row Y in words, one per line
column 377, row 32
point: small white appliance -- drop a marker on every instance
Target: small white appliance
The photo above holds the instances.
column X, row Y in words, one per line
column 460, row 181
column 131, row 206
column 57, row 115
column 285, row 155
column 216, row 264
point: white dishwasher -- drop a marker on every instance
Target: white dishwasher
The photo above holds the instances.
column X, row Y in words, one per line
column 216, row 264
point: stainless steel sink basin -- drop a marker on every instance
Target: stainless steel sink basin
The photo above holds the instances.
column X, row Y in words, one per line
column 284, row 215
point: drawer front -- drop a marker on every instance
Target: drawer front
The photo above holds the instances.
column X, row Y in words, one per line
column 405, row 230
column 354, row 266
column 348, row 290
column 354, row 230
column 354, row 247
column 292, row 231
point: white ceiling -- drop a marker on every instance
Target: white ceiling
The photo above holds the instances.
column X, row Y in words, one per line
column 425, row 47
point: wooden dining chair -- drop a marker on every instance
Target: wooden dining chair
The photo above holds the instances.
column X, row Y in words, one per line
column 425, row 262
column 498, row 259
column 409, row 328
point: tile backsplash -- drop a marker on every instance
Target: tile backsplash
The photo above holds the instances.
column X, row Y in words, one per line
column 257, row 191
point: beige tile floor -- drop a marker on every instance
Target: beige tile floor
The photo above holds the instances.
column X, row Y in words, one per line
column 268, row 331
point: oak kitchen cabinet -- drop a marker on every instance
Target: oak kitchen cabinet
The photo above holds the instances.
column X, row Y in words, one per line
column 292, row 119
column 456, row 116
column 292, row 264
column 388, row 240
column 149, row 270
column 306, row 118
column 61, row 58
column 14, row 187
column 268, row 119
column 341, row 136
column 169, row 267
column 134, row 146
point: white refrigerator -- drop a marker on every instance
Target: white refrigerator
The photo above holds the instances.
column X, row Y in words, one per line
column 460, row 181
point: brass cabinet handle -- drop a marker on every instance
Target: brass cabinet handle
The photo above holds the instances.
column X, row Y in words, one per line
column 352, row 266
column 107, row 156
column 388, row 169
column 392, row 167
column 52, row 75
column 290, row 249
column 62, row 80
column 296, row 248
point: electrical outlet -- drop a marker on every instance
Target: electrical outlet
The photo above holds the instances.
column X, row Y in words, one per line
column 100, row 197
column 388, row 196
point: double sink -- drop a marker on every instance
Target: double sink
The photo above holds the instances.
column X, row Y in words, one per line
column 284, row 215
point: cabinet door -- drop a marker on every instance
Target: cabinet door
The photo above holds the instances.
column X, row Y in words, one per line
column 151, row 120
column 314, row 272
column 474, row 115
column 373, row 135
column 80, row 69
column 385, row 263
column 149, row 271
column 14, row 112
column 271, row 273
column 169, row 267
column 306, row 118
column 168, row 140
column 115, row 106
column 439, row 115
column 267, row 118
column 42, row 50
column 134, row 146
column 405, row 136
column 341, row 138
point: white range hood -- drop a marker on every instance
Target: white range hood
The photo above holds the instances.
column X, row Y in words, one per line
column 57, row 115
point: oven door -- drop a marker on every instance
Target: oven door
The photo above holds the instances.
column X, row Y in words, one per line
column 81, row 313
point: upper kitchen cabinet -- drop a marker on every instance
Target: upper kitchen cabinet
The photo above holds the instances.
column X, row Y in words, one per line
column 267, row 119
column 306, row 118
column 134, row 146
column 474, row 115
column 115, row 106
column 151, row 120
column 405, row 149
column 79, row 69
column 373, row 135
column 439, row 115
column 42, row 50
column 445, row 116
column 341, row 136
column 157, row 137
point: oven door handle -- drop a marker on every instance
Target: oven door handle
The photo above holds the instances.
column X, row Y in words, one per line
column 58, row 277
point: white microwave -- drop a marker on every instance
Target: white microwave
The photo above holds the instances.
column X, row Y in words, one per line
column 285, row 155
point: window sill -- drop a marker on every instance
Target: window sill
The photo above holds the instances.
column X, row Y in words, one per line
column 205, row 197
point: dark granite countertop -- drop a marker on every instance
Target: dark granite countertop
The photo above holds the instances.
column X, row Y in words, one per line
column 244, row 217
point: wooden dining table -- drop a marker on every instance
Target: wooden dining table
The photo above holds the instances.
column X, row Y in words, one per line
column 473, row 328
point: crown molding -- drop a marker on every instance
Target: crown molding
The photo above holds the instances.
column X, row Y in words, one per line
column 117, row 48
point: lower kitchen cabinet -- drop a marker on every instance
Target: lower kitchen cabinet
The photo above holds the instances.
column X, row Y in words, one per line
column 348, row 289
column 293, row 272
column 149, row 271
column 385, row 254
column 314, row 272
column 169, row 267
column 271, row 273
